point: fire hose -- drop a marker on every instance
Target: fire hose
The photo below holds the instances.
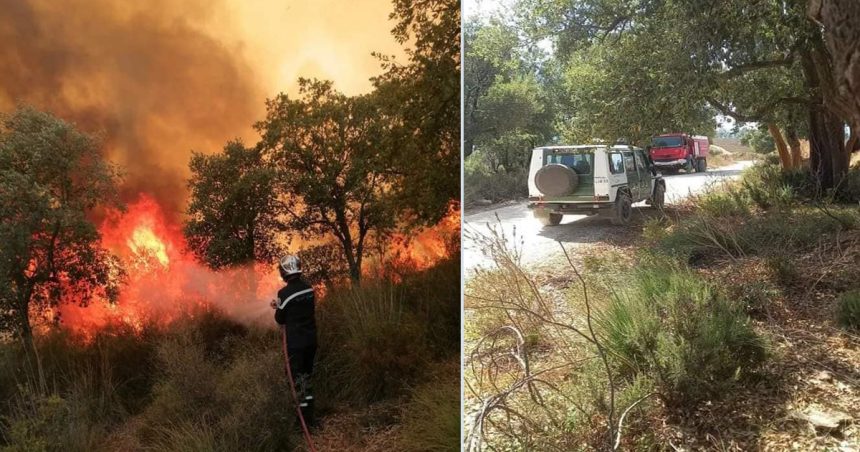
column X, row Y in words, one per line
column 305, row 432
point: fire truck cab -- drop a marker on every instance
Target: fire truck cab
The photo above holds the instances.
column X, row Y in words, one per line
column 674, row 151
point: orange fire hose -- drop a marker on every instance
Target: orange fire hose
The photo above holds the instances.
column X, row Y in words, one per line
column 305, row 431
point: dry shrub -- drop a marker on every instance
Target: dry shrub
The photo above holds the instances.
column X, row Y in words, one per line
column 848, row 313
column 431, row 420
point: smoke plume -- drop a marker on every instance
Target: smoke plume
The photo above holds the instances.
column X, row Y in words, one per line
column 147, row 76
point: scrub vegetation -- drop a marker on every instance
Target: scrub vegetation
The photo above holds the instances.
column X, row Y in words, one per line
column 204, row 382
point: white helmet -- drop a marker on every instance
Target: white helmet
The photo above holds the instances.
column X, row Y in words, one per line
column 290, row 265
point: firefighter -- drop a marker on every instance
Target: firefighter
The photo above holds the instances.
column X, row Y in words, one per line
column 294, row 310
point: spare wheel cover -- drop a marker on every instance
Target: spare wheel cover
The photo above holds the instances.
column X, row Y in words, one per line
column 556, row 180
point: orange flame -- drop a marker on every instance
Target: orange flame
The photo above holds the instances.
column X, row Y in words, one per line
column 165, row 281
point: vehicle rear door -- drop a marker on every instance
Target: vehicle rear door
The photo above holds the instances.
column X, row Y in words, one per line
column 644, row 174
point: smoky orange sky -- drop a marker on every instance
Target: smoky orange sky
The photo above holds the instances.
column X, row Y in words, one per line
column 158, row 79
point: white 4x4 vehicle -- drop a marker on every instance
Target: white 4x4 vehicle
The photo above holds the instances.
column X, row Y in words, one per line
column 591, row 179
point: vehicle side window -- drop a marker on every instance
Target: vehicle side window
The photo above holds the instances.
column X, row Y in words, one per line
column 629, row 164
column 616, row 163
column 641, row 163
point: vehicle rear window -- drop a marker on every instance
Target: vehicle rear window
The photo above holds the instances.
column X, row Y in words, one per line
column 666, row 142
column 580, row 163
column 616, row 163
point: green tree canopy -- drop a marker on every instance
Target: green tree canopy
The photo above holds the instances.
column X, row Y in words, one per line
column 508, row 108
column 420, row 102
column 232, row 214
column 756, row 61
column 51, row 177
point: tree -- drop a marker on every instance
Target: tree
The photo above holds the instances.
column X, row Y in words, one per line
column 762, row 61
column 628, row 90
column 759, row 140
column 233, row 212
column 331, row 167
column 421, row 102
column 51, row 177
column 507, row 107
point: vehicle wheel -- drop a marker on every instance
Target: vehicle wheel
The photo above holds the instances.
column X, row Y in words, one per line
column 690, row 166
column 552, row 219
column 703, row 165
column 623, row 209
column 658, row 199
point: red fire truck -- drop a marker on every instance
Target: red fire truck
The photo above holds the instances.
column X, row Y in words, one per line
column 674, row 151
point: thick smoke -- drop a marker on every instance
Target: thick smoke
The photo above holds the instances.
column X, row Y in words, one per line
column 148, row 76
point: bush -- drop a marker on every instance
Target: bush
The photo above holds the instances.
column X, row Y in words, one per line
column 848, row 190
column 52, row 423
column 768, row 186
column 206, row 382
column 229, row 391
column 373, row 342
column 849, row 310
column 432, row 417
column 682, row 333
column 726, row 202
column 482, row 183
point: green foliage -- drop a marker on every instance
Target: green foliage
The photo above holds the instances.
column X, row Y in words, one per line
column 620, row 91
column 508, row 109
column 728, row 201
column 420, row 100
column 759, row 139
column 232, row 215
column 51, row 177
column 848, row 312
column 769, row 186
column 50, row 423
column 636, row 67
column 479, row 183
column 672, row 327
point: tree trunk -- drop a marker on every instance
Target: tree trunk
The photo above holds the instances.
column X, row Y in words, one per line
column 26, row 330
column 827, row 156
column 838, row 20
column 781, row 148
column 853, row 144
column 794, row 146
column 828, row 160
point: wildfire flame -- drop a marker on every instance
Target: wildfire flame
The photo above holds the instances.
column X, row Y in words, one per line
column 145, row 244
column 164, row 281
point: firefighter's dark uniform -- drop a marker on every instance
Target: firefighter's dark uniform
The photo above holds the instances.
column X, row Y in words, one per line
column 295, row 310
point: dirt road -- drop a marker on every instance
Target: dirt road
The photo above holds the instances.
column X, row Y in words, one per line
column 539, row 242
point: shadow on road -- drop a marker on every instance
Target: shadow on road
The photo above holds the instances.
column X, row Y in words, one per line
column 596, row 229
